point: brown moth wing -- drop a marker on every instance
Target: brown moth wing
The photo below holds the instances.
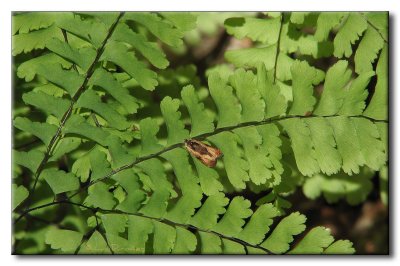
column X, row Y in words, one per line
column 207, row 161
column 207, row 154
column 216, row 153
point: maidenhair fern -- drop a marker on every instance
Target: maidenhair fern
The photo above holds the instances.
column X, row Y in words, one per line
column 108, row 159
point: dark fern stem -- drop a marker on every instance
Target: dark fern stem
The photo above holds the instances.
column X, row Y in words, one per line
column 203, row 136
column 67, row 114
column 161, row 220
column 278, row 46
column 87, row 236
column 374, row 27
column 177, row 145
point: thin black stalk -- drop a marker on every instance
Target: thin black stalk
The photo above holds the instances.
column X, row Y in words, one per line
column 162, row 220
column 65, row 35
column 200, row 137
column 278, row 47
column 26, row 145
column 85, row 238
column 206, row 135
column 374, row 27
column 95, row 119
column 67, row 114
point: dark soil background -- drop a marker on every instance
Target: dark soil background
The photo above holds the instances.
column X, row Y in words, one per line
column 366, row 225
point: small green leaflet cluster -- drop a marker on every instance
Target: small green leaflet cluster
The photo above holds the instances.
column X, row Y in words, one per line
column 126, row 48
column 219, row 230
column 279, row 36
column 143, row 193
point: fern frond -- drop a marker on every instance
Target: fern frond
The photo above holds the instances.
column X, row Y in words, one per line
column 110, row 128
column 326, row 22
column 227, row 236
column 30, row 159
column 105, row 80
column 308, row 157
column 29, row 69
column 27, row 22
column 368, row 50
column 160, row 28
column 149, row 50
column 20, row 193
column 59, row 181
column 119, row 54
column 26, row 42
column 310, row 149
column 43, row 131
column 262, row 30
column 56, row 239
column 78, row 125
column 49, row 104
column 353, row 27
column 377, row 108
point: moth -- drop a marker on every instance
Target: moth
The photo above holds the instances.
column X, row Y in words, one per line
column 207, row 154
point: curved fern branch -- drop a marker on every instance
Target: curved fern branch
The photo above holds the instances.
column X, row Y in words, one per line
column 205, row 135
column 67, row 113
column 177, row 145
column 165, row 221
column 274, row 240
column 87, row 236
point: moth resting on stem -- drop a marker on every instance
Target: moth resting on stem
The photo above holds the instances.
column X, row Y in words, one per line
column 207, row 154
